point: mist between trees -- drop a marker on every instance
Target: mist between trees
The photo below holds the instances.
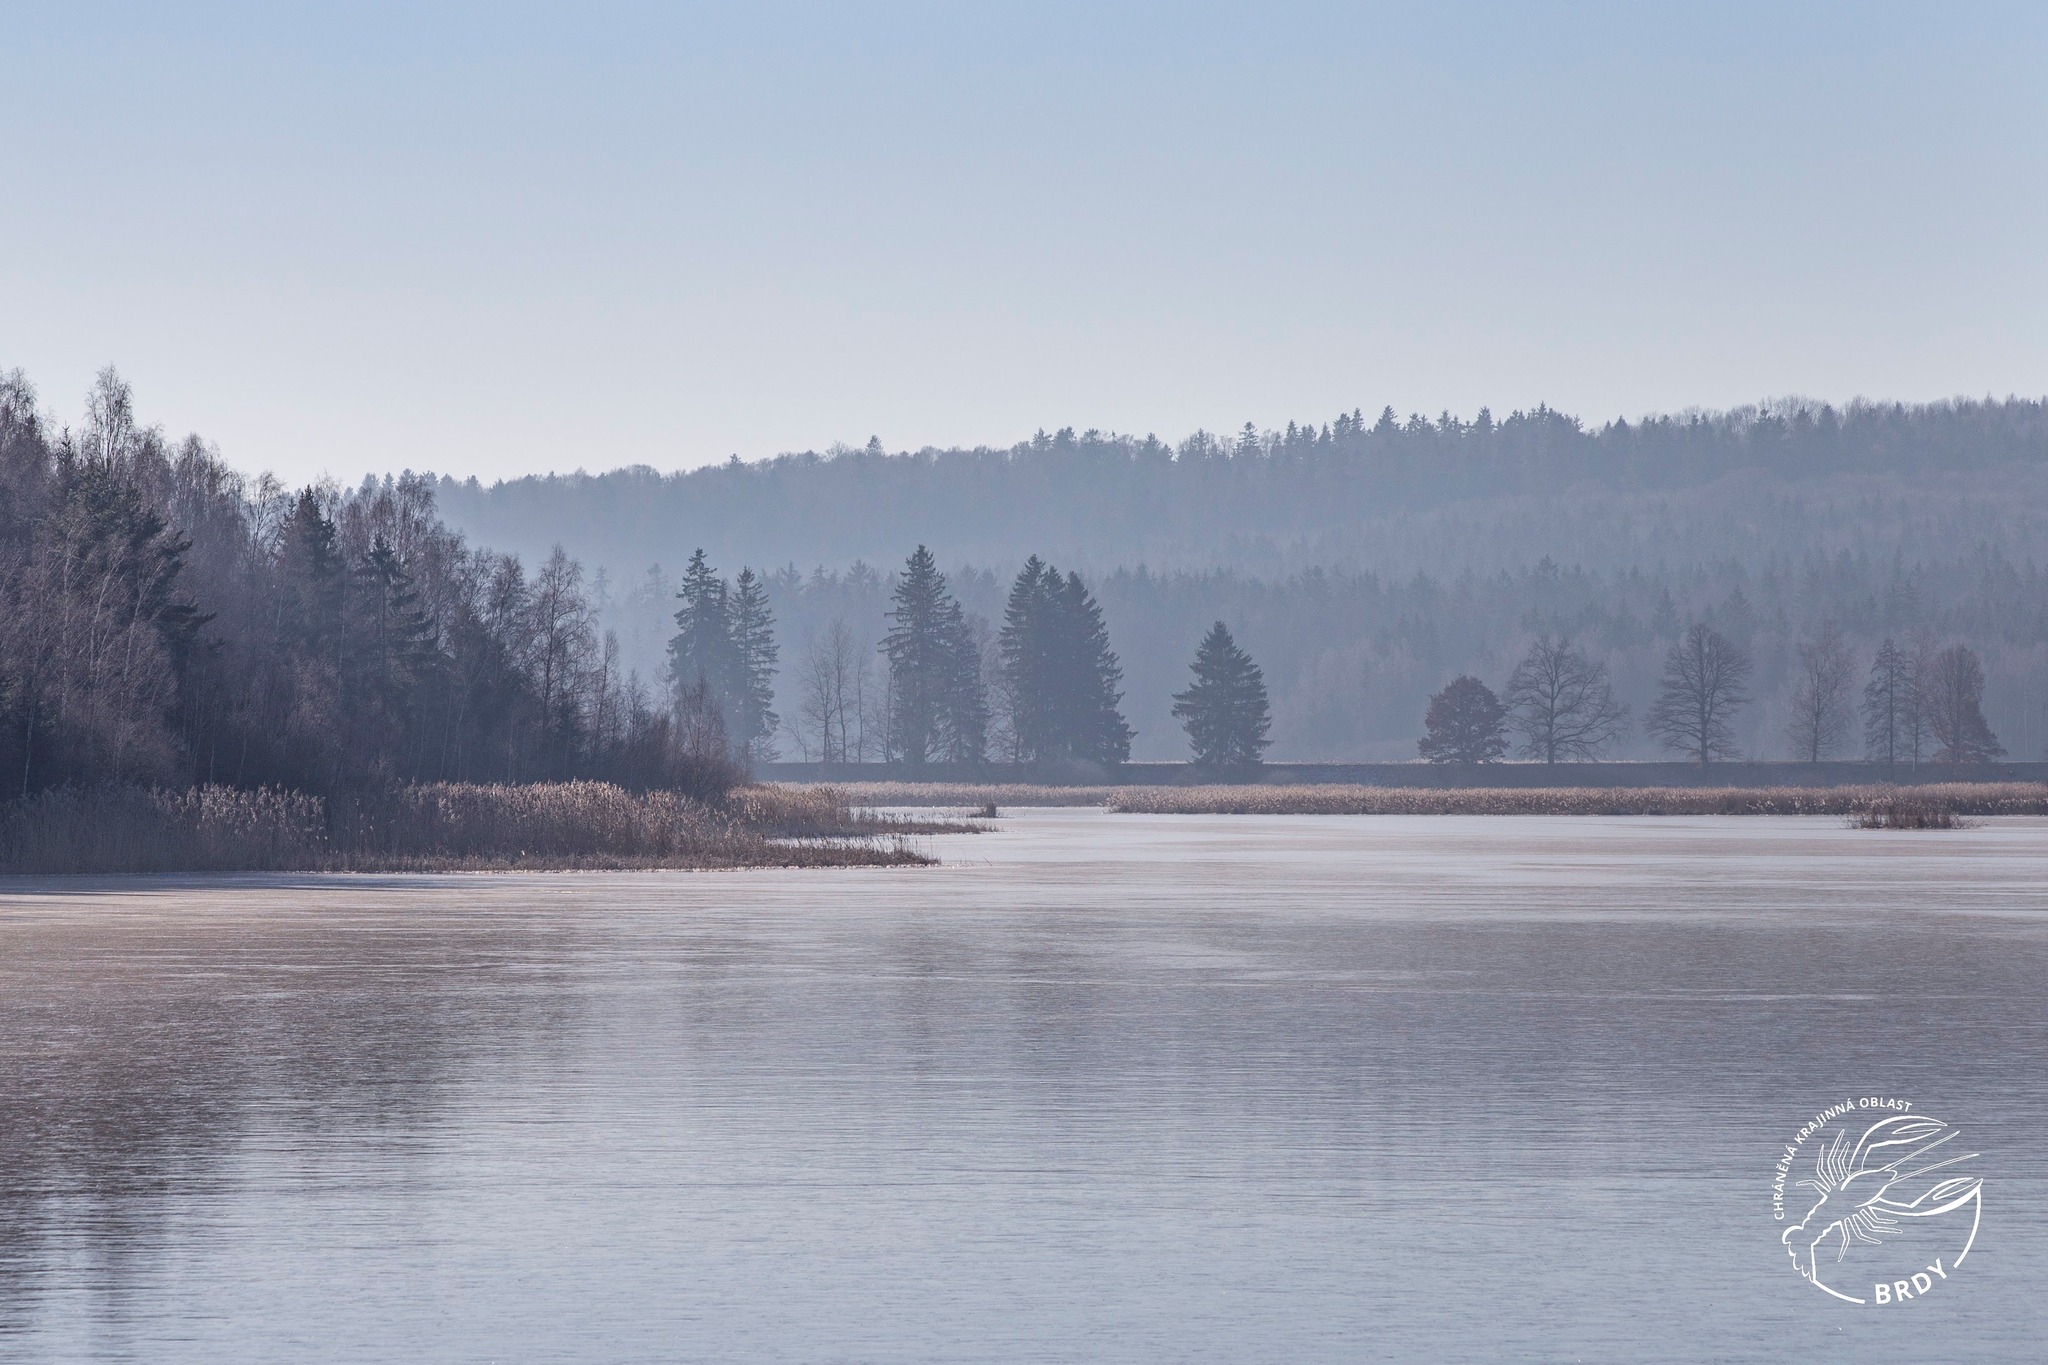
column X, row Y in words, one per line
column 1364, row 563
column 171, row 620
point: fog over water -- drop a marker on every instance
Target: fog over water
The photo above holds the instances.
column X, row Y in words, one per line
column 1099, row 1087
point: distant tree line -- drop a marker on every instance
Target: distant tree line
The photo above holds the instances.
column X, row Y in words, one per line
column 1918, row 704
column 1352, row 488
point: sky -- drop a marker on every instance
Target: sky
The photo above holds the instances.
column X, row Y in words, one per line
column 503, row 239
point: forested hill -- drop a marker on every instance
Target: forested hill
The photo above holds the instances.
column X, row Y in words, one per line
column 1386, row 495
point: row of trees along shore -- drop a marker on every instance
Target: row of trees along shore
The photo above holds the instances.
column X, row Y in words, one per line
column 165, row 620
column 1044, row 691
column 1919, row 702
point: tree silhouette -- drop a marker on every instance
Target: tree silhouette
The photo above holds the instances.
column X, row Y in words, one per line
column 1562, row 704
column 1704, row 685
column 1224, row 710
column 1466, row 723
column 1820, row 696
column 1889, row 704
column 937, row 708
column 1955, row 708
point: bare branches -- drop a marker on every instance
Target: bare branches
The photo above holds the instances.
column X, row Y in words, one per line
column 1705, row 683
column 1561, row 704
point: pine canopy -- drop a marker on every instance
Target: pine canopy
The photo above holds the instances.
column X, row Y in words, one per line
column 1224, row 711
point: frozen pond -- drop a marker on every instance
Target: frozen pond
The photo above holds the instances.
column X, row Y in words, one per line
column 1100, row 1088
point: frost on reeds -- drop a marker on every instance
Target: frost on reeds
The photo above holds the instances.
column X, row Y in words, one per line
column 437, row 826
column 1958, row 798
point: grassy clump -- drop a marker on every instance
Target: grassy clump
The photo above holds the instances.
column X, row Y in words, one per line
column 443, row 826
column 1906, row 812
column 2015, row 798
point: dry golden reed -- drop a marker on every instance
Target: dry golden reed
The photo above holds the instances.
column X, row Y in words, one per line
column 440, row 826
column 1959, row 798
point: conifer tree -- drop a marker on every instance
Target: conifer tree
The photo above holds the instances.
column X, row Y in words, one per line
column 964, row 737
column 923, row 649
column 311, row 567
column 1029, row 659
column 703, row 643
column 751, row 620
column 1224, row 711
column 397, row 653
column 1097, row 731
column 1061, row 678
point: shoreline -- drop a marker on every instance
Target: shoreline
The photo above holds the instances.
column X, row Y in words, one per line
column 1957, row 798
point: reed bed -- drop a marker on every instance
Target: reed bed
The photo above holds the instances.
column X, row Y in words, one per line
column 1906, row 812
column 440, row 827
column 811, row 812
column 1958, row 798
column 968, row 796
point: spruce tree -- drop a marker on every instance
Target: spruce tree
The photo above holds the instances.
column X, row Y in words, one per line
column 1224, row 711
column 964, row 737
column 922, row 654
column 1029, row 658
column 1095, row 728
column 398, row 650
column 702, row 648
column 751, row 623
column 1061, row 678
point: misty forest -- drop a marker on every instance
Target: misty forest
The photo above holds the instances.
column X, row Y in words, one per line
column 1366, row 563
column 1791, row 581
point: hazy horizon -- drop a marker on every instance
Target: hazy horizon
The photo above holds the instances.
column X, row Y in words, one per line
column 500, row 242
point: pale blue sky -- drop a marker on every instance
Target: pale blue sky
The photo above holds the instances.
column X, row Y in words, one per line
column 499, row 238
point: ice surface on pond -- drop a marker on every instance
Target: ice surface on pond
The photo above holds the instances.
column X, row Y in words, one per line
column 1099, row 1088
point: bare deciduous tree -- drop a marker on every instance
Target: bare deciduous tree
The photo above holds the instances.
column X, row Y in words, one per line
column 1705, row 683
column 1820, row 696
column 1561, row 704
column 833, row 675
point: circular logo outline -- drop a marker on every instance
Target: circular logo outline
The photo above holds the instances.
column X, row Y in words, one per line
column 1878, row 1170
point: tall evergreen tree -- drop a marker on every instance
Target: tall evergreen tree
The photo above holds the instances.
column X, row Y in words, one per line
column 312, row 570
column 1030, row 659
column 1096, row 730
column 703, row 643
column 922, row 661
column 1224, row 711
column 964, row 718
column 751, row 621
column 1061, row 678
column 397, row 655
